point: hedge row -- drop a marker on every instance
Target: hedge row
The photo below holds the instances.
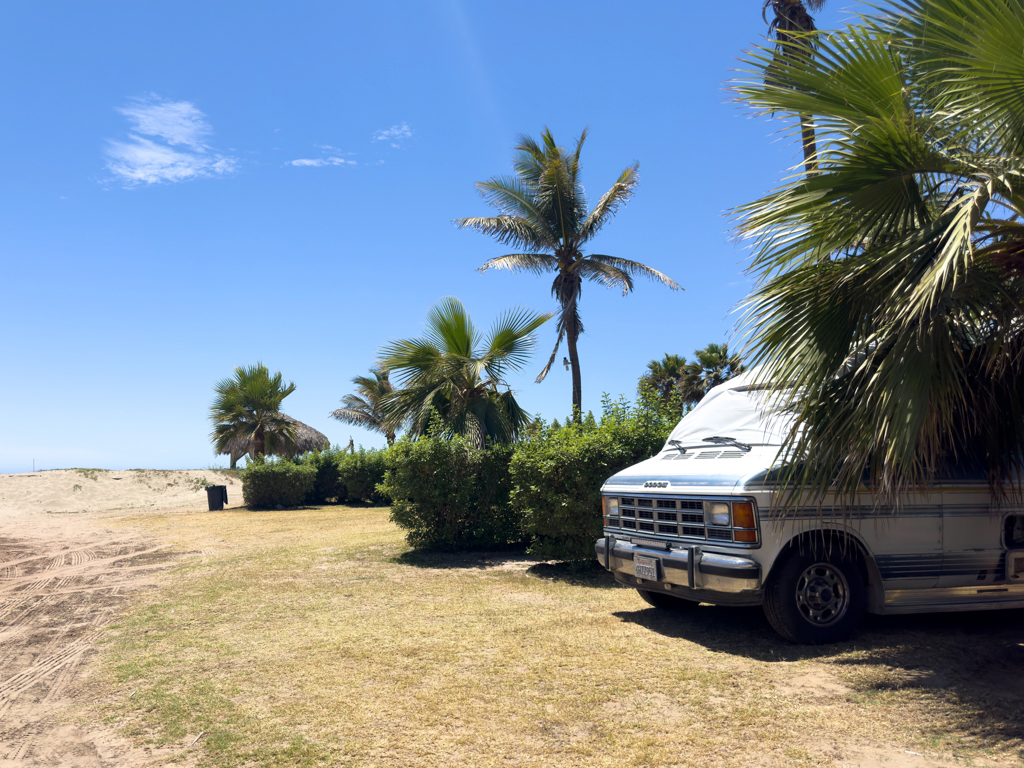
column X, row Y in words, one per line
column 316, row 478
column 448, row 494
column 545, row 490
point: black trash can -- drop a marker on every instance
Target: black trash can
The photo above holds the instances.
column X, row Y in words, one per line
column 217, row 496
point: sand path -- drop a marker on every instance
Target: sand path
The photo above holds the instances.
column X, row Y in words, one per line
column 64, row 575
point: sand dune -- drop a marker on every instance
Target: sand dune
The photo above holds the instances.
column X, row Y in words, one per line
column 76, row 491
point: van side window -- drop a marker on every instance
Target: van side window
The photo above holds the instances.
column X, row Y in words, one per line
column 1015, row 531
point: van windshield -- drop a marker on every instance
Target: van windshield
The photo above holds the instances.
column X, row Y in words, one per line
column 736, row 409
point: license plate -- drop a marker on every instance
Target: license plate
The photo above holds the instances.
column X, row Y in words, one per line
column 645, row 567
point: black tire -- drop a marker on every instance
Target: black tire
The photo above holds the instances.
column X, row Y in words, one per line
column 814, row 597
column 669, row 602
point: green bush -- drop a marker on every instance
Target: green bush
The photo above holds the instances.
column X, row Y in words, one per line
column 557, row 472
column 450, row 495
column 327, row 485
column 361, row 473
column 269, row 483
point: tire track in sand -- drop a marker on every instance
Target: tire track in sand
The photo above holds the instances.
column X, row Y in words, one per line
column 53, row 605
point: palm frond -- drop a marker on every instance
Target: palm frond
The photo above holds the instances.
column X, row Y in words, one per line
column 616, row 197
column 888, row 285
column 509, row 230
column 604, row 274
column 554, row 352
column 511, row 341
column 450, row 329
column 537, row 263
column 635, row 268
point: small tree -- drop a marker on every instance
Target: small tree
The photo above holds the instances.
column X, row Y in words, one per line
column 458, row 375
column 249, row 405
column 365, row 407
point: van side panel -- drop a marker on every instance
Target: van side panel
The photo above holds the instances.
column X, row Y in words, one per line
column 907, row 541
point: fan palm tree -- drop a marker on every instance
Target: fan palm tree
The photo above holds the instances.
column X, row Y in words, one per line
column 543, row 213
column 713, row 366
column 458, row 375
column 663, row 375
column 364, row 408
column 890, row 293
column 791, row 26
column 249, row 405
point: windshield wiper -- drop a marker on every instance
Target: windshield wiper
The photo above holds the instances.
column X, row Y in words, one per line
column 719, row 440
column 677, row 445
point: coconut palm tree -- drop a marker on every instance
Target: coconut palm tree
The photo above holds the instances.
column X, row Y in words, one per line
column 544, row 214
column 713, row 366
column 457, row 374
column 248, row 405
column 364, row 408
column 890, row 289
column 791, row 25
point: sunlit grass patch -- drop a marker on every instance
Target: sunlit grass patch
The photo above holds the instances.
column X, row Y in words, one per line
column 315, row 637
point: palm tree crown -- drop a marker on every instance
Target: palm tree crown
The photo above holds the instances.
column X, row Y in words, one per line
column 457, row 374
column 365, row 407
column 713, row 366
column 890, row 294
column 544, row 214
column 663, row 375
column 249, row 405
column 690, row 381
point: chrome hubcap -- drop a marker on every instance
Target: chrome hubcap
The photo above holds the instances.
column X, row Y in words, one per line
column 822, row 594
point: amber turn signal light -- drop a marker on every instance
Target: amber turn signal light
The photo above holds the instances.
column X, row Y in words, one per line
column 746, row 536
column 743, row 516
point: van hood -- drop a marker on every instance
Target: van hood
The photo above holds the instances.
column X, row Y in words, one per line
column 722, row 467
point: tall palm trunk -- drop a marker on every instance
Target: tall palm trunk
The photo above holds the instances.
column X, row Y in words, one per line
column 791, row 21
column 572, row 333
column 567, row 288
column 259, row 443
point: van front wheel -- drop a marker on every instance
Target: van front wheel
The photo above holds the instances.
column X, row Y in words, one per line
column 671, row 602
column 815, row 598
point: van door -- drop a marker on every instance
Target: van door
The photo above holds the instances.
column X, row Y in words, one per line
column 972, row 535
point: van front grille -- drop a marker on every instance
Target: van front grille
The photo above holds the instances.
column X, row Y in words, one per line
column 683, row 518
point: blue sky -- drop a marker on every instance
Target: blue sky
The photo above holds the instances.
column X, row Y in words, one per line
column 188, row 187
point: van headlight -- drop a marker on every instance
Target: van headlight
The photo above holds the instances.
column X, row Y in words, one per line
column 718, row 513
column 611, row 506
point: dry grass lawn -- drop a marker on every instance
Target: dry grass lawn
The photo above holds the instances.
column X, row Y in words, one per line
column 314, row 637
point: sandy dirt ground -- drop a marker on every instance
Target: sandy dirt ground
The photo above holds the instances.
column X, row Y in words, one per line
column 64, row 575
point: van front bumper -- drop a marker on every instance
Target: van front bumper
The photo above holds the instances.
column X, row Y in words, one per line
column 686, row 571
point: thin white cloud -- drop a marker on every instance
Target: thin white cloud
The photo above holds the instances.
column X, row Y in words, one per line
column 320, row 162
column 176, row 122
column 166, row 144
column 394, row 134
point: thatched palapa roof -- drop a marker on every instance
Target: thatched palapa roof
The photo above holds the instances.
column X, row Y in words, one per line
column 306, row 439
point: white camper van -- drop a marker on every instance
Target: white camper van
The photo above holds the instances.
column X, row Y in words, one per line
column 691, row 525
